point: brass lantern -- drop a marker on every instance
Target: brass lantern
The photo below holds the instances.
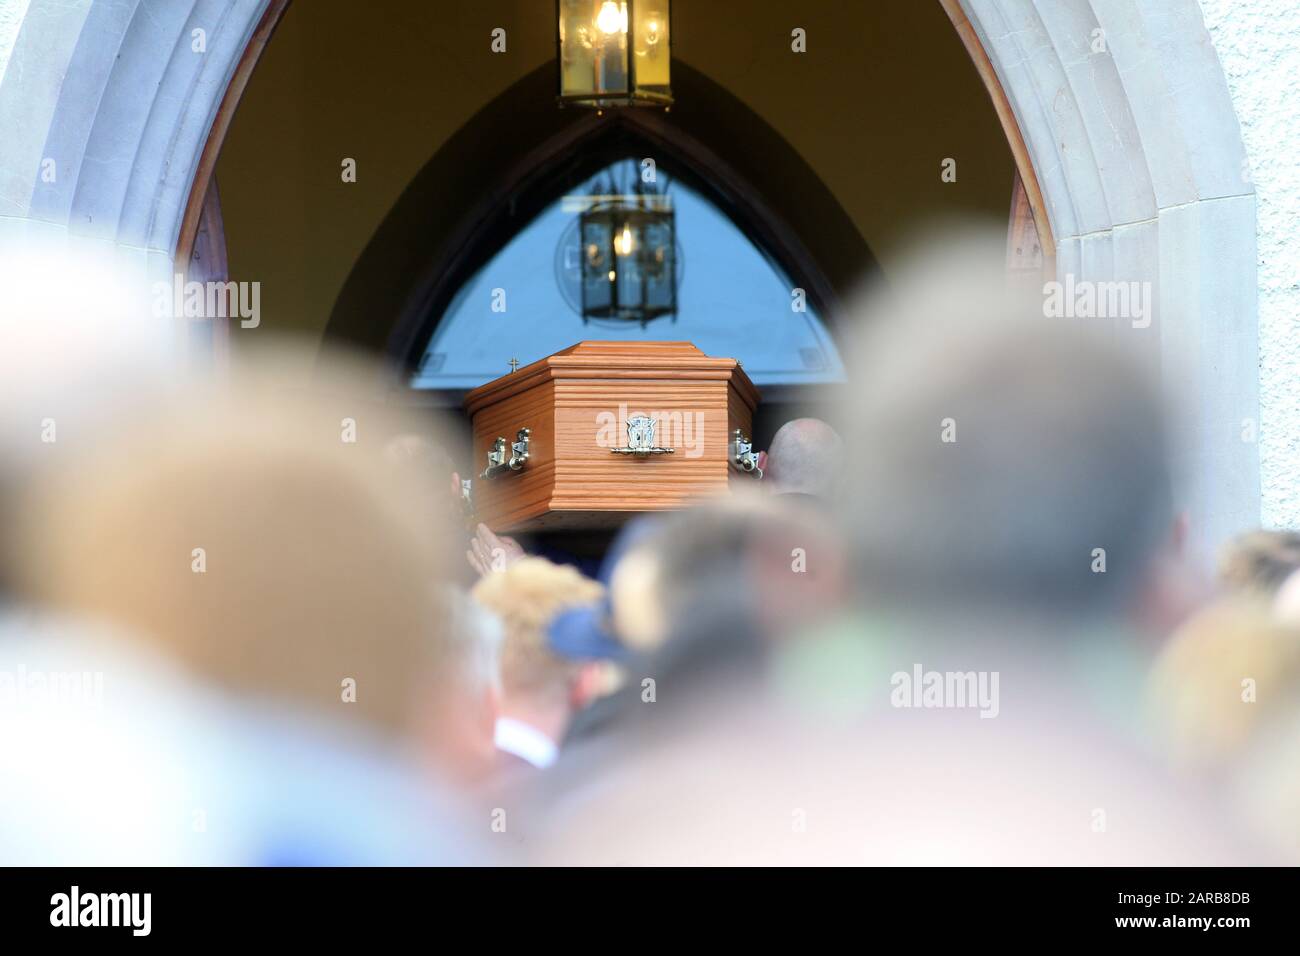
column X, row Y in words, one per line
column 615, row 52
column 628, row 255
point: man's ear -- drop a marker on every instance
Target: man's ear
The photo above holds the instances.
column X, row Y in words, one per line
column 587, row 684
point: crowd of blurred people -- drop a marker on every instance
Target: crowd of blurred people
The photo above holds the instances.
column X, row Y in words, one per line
column 959, row 623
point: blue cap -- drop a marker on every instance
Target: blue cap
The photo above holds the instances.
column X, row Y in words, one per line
column 584, row 633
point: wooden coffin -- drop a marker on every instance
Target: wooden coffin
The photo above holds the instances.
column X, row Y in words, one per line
column 590, row 459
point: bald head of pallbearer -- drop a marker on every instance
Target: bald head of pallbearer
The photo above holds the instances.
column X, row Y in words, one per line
column 804, row 459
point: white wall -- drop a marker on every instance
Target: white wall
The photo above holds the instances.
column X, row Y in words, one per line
column 1258, row 43
column 11, row 18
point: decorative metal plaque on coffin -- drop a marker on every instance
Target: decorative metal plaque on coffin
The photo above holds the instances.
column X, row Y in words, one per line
column 641, row 438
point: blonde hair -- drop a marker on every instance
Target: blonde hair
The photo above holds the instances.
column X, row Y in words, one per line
column 240, row 532
column 526, row 597
column 1221, row 679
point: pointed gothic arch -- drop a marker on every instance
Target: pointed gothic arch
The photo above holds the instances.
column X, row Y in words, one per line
column 1135, row 150
column 512, row 159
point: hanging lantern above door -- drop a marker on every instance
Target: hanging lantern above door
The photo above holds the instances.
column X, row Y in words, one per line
column 614, row 52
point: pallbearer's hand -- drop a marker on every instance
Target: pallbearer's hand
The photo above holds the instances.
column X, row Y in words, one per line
column 490, row 552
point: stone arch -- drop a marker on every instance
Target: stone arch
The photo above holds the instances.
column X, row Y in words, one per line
column 510, row 160
column 120, row 98
column 1135, row 151
column 1126, row 120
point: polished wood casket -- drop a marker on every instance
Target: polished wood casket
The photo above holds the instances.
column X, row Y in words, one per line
column 588, row 436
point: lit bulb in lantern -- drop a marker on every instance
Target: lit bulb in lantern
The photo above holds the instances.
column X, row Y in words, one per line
column 612, row 18
column 623, row 243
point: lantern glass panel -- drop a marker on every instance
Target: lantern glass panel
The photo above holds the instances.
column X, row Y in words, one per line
column 597, row 264
column 615, row 52
column 657, row 266
column 652, row 64
column 593, row 50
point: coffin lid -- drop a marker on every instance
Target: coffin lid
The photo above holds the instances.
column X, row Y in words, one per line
column 617, row 360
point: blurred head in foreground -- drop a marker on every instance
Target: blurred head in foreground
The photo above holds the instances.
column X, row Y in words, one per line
column 265, row 584
column 1003, row 461
column 260, row 537
column 766, row 567
column 539, row 691
column 1007, row 489
column 703, row 598
column 1224, row 699
column 1220, row 680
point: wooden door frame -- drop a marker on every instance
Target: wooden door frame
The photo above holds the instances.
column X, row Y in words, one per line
column 207, row 163
column 1010, row 128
